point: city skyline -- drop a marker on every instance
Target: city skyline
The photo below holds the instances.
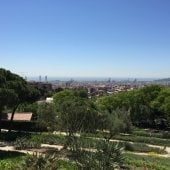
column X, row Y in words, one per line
column 92, row 38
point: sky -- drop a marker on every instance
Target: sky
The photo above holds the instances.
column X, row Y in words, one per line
column 86, row 38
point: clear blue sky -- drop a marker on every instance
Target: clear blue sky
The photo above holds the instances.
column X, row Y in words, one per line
column 86, row 38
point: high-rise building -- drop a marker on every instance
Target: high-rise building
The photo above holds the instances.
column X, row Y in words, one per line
column 39, row 78
column 46, row 80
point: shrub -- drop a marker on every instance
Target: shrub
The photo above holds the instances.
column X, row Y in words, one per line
column 8, row 165
column 25, row 143
column 45, row 162
column 142, row 139
column 52, row 139
column 39, row 162
column 106, row 156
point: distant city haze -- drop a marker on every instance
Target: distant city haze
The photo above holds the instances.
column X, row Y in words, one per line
column 86, row 39
column 87, row 79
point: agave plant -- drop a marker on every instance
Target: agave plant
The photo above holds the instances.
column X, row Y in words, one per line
column 106, row 156
column 40, row 162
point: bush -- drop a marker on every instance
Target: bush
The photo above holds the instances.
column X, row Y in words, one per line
column 45, row 162
column 142, row 139
column 25, row 143
column 141, row 147
column 53, row 139
column 106, row 156
column 128, row 146
column 39, row 162
column 8, row 165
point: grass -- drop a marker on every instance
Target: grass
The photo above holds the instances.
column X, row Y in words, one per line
column 9, row 160
column 152, row 162
column 66, row 165
column 141, row 147
column 134, row 138
column 142, row 139
column 151, row 133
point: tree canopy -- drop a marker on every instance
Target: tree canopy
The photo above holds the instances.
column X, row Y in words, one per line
column 147, row 105
column 14, row 90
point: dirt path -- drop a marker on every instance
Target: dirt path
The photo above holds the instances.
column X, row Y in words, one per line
column 59, row 147
column 6, row 146
column 167, row 149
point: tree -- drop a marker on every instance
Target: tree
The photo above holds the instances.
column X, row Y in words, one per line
column 114, row 123
column 14, row 90
column 46, row 116
column 162, row 105
column 78, row 116
column 137, row 102
column 142, row 114
column 5, row 99
column 76, row 113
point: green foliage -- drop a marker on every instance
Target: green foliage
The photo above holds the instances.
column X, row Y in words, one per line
column 115, row 122
column 151, row 133
column 47, row 116
column 9, row 164
column 151, row 162
column 12, row 83
column 26, row 107
column 148, row 106
column 142, row 139
column 26, row 143
column 162, row 103
column 39, row 162
column 78, row 116
column 14, row 90
column 9, row 160
column 49, row 138
column 119, row 100
column 62, row 96
column 106, row 156
column 141, row 147
column 45, row 162
column 76, row 112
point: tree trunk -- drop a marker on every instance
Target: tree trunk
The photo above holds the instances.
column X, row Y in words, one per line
column 12, row 117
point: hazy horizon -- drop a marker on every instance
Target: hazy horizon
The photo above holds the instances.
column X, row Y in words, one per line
column 36, row 78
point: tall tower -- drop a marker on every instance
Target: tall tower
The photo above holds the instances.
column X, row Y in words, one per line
column 46, row 80
column 39, row 78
